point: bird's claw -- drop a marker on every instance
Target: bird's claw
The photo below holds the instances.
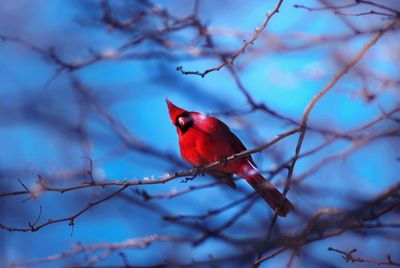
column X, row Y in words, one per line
column 185, row 180
column 198, row 171
column 195, row 172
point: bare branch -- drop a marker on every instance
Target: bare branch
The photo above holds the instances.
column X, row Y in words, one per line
column 101, row 250
column 313, row 102
column 229, row 59
column 349, row 257
column 163, row 179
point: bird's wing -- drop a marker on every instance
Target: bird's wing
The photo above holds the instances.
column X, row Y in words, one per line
column 214, row 125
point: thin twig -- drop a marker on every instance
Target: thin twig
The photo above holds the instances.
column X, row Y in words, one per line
column 229, row 60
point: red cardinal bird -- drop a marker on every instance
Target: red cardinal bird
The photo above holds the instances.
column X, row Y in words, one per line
column 205, row 139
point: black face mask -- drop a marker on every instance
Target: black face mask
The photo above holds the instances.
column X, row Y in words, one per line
column 184, row 121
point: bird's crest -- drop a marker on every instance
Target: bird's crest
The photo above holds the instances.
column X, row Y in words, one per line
column 173, row 110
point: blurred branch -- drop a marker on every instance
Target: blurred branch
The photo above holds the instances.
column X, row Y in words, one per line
column 215, row 232
column 325, row 7
column 210, row 212
column 356, row 3
column 328, row 222
column 100, row 251
column 355, row 145
column 310, row 106
column 123, row 51
column 120, row 130
column 371, row 12
column 325, row 89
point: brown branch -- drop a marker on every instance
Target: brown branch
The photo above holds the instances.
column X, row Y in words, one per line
column 313, row 102
column 229, row 60
column 355, row 145
column 71, row 219
column 331, row 83
column 43, row 187
column 349, row 257
column 174, row 193
column 325, row 89
column 210, row 213
column 346, row 6
column 146, row 181
column 329, row 222
column 105, row 249
column 120, row 130
column 371, row 12
column 371, row 3
column 325, row 7
column 170, row 24
column 216, row 232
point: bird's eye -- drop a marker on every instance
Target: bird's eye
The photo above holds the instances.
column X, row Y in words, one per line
column 181, row 121
column 184, row 120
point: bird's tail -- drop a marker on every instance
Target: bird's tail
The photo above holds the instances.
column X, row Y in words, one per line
column 268, row 192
